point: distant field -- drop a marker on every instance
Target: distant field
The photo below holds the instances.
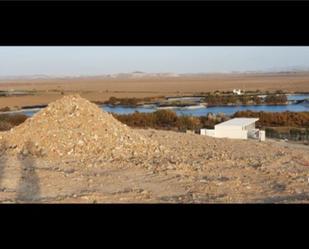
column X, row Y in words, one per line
column 100, row 89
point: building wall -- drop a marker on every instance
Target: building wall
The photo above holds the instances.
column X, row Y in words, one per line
column 250, row 127
column 262, row 135
column 231, row 133
column 203, row 132
column 210, row 133
column 235, row 132
column 253, row 133
column 207, row 132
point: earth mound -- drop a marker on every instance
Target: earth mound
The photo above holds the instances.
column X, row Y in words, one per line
column 73, row 127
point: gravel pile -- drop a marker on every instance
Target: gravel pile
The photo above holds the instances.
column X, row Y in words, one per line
column 74, row 128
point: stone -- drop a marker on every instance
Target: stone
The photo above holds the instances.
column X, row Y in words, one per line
column 170, row 167
column 25, row 152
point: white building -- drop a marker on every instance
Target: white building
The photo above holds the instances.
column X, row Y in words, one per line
column 239, row 128
column 237, row 91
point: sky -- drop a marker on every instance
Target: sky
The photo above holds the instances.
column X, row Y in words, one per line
column 75, row 61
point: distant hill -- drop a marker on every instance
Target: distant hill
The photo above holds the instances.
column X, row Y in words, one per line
column 140, row 75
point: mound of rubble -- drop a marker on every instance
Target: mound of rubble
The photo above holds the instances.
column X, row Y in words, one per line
column 74, row 128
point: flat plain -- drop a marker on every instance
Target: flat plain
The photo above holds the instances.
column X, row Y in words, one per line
column 101, row 89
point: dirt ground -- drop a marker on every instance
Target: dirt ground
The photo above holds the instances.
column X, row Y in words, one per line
column 100, row 89
column 200, row 170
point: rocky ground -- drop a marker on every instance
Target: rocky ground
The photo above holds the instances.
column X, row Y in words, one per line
column 72, row 152
column 198, row 170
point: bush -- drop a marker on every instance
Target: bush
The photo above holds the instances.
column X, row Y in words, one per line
column 130, row 101
column 14, row 119
column 161, row 119
column 188, row 123
column 5, row 126
column 276, row 99
column 165, row 118
column 5, row 109
column 276, row 119
column 7, row 121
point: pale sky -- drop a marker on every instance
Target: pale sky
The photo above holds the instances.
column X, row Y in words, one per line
column 85, row 60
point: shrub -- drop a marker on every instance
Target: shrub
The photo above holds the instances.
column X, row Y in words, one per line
column 276, row 99
column 165, row 118
column 291, row 119
column 5, row 126
column 7, row 121
column 5, row 109
column 14, row 119
column 188, row 123
column 130, row 101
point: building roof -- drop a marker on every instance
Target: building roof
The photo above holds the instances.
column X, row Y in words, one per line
column 239, row 122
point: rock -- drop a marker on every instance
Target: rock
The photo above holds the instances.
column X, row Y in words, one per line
column 170, row 167
column 25, row 152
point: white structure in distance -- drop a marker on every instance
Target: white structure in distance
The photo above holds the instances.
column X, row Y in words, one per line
column 237, row 128
column 237, row 91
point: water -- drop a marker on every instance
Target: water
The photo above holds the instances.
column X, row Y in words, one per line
column 29, row 113
column 297, row 96
column 126, row 110
column 228, row 110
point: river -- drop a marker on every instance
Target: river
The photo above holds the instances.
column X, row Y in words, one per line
column 228, row 110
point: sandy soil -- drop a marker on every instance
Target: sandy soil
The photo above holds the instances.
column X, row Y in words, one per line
column 99, row 89
column 200, row 170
